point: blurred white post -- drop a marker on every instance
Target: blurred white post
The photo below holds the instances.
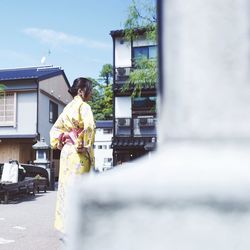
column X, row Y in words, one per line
column 193, row 193
column 206, row 70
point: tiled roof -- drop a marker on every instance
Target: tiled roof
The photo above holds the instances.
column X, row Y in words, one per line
column 13, row 136
column 38, row 73
column 121, row 33
column 117, row 33
column 104, row 124
column 130, row 142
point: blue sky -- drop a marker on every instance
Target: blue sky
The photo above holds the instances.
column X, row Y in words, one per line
column 72, row 34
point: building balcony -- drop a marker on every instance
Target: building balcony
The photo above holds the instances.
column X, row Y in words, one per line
column 121, row 78
column 123, row 127
column 144, row 126
column 135, row 127
column 122, row 74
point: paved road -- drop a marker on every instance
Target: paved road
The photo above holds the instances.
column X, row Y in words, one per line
column 27, row 223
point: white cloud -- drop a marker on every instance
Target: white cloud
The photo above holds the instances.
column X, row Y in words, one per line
column 56, row 38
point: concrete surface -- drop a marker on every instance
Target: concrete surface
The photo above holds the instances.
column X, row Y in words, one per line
column 27, row 223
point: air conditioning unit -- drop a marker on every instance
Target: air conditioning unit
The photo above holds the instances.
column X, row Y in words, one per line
column 146, row 122
column 123, row 122
column 121, row 71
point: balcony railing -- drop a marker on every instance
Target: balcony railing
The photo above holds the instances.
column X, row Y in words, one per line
column 122, row 74
column 144, row 126
column 137, row 127
column 123, row 127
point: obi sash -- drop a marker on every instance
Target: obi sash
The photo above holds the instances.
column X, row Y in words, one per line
column 70, row 137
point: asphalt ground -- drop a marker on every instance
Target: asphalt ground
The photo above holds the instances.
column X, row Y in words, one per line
column 26, row 223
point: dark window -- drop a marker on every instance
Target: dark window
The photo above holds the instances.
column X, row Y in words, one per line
column 107, row 131
column 145, row 51
column 139, row 52
column 53, row 112
column 40, row 154
column 141, row 105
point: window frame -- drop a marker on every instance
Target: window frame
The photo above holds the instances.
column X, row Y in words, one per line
column 7, row 123
column 144, row 108
column 54, row 116
column 143, row 47
column 107, row 131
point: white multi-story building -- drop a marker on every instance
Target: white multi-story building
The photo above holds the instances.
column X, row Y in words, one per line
column 134, row 116
column 102, row 145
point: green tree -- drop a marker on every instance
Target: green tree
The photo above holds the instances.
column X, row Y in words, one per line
column 107, row 102
column 107, row 73
column 142, row 20
column 145, row 75
column 102, row 100
column 141, row 15
column 94, row 103
column 2, row 87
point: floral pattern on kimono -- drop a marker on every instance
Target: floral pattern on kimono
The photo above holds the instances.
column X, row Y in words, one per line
column 76, row 117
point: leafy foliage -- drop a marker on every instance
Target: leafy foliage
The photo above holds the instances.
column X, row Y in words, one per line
column 142, row 22
column 2, row 87
column 141, row 15
column 101, row 102
column 144, row 75
column 107, row 73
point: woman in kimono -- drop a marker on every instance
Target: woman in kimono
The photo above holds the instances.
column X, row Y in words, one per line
column 73, row 133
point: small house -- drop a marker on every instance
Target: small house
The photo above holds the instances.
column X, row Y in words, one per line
column 29, row 105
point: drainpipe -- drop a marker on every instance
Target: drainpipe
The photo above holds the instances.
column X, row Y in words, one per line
column 37, row 111
column 113, row 98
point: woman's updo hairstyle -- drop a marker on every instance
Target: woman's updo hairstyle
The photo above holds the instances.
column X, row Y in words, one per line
column 81, row 83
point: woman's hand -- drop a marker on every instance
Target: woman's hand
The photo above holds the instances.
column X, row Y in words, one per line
column 80, row 148
column 61, row 141
column 59, row 145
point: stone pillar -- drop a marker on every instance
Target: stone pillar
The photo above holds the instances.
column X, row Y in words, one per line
column 206, row 71
column 193, row 193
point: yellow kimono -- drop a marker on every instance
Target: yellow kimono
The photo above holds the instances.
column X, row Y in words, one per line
column 76, row 117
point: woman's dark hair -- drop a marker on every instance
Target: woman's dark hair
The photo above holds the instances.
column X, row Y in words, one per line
column 81, row 83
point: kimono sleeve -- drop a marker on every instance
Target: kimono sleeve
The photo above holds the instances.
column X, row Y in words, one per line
column 55, row 132
column 88, row 125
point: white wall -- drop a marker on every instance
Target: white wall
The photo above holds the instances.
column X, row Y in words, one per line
column 123, row 50
column 100, row 136
column 57, row 87
column 44, row 125
column 143, row 42
column 122, row 53
column 26, row 115
column 123, row 107
column 101, row 140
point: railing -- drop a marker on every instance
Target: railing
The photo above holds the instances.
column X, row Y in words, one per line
column 122, row 74
column 144, row 126
column 138, row 127
column 123, row 127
